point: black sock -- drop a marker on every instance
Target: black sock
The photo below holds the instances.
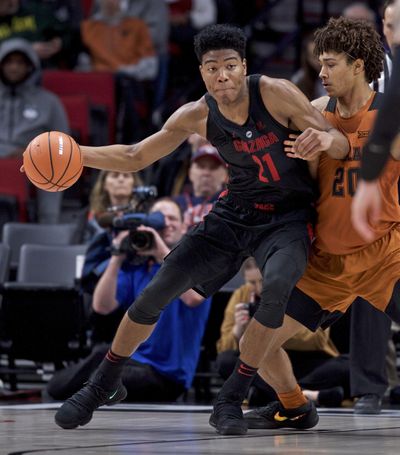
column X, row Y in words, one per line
column 238, row 383
column 109, row 371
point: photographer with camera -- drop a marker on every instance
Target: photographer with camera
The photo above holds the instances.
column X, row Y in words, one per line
column 164, row 366
column 316, row 361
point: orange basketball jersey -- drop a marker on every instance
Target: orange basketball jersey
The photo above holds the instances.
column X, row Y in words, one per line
column 337, row 181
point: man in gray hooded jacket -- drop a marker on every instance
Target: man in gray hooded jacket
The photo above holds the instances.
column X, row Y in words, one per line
column 26, row 110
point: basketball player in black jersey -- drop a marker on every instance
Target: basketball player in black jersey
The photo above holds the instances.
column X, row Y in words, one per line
column 266, row 213
column 367, row 202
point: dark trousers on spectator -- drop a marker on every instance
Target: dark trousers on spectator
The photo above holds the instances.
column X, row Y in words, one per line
column 142, row 381
column 369, row 336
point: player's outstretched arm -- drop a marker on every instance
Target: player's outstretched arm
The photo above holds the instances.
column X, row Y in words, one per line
column 188, row 119
column 318, row 134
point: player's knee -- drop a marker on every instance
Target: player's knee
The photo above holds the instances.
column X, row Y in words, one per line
column 165, row 286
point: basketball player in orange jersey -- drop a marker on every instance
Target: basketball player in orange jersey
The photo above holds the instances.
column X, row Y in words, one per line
column 383, row 141
column 342, row 265
column 265, row 213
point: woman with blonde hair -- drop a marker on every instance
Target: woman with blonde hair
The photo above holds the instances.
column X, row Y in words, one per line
column 112, row 192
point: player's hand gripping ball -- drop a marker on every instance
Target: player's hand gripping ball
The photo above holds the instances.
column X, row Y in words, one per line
column 53, row 161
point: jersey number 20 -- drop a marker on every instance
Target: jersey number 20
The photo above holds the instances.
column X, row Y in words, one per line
column 339, row 184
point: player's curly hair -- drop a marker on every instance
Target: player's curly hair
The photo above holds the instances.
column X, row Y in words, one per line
column 355, row 38
column 220, row 36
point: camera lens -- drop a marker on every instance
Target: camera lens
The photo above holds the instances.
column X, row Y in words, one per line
column 141, row 240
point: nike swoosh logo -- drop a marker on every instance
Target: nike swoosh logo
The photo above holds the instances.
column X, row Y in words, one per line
column 280, row 418
column 113, row 395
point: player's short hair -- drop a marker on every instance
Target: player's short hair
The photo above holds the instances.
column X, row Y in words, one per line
column 220, row 36
column 356, row 39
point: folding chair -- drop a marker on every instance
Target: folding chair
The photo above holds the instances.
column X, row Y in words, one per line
column 17, row 234
column 42, row 313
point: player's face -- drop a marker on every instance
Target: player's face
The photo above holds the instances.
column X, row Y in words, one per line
column 337, row 75
column 223, row 73
column 119, row 185
column 388, row 25
column 174, row 226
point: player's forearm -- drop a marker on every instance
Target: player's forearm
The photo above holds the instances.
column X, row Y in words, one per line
column 116, row 157
column 377, row 150
column 340, row 146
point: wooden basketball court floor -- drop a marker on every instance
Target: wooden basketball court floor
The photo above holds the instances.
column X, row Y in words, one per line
column 180, row 429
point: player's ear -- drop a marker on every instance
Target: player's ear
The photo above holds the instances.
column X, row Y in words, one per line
column 359, row 65
column 244, row 62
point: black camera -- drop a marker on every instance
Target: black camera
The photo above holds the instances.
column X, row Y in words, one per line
column 145, row 193
column 138, row 240
column 252, row 307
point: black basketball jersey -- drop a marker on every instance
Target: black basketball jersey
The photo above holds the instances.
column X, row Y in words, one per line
column 259, row 170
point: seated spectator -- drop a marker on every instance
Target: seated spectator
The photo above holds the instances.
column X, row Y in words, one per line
column 122, row 45
column 155, row 13
column 171, row 172
column 186, row 18
column 112, row 192
column 164, row 366
column 359, row 10
column 307, row 76
column 208, row 175
column 52, row 27
column 27, row 110
column 315, row 359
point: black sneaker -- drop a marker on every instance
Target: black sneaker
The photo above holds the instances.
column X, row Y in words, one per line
column 78, row 409
column 227, row 416
column 368, row 404
column 275, row 415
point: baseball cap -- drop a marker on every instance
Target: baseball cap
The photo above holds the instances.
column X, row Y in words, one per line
column 207, row 150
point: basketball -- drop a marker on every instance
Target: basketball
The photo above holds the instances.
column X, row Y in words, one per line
column 53, row 161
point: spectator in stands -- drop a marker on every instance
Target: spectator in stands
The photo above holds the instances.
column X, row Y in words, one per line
column 122, row 45
column 171, row 172
column 307, row 76
column 388, row 30
column 27, row 110
column 51, row 26
column 155, row 14
column 322, row 373
column 186, row 19
column 360, row 10
column 208, row 175
column 112, row 192
column 164, row 366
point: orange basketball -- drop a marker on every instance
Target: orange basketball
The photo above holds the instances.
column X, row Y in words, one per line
column 53, row 161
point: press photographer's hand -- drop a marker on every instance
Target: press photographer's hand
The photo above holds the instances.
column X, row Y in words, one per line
column 158, row 249
column 116, row 245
